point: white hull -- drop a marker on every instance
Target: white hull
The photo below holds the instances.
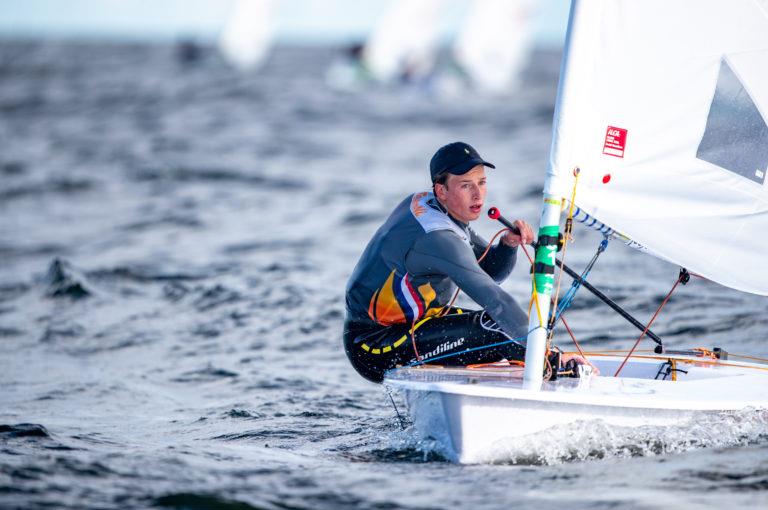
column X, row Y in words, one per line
column 470, row 412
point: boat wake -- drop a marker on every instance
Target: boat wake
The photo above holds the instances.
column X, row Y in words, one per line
column 594, row 439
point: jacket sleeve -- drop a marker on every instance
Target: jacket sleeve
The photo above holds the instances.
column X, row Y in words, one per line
column 442, row 252
column 500, row 260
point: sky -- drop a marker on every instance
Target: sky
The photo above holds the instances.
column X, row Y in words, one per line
column 299, row 21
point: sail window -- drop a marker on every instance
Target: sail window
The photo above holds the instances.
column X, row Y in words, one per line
column 736, row 136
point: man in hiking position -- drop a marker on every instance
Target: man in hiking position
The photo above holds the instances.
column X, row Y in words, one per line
column 398, row 297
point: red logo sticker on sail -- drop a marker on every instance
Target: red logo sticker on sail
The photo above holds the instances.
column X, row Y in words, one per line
column 615, row 141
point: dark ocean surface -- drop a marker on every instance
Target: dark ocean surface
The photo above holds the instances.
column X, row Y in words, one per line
column 174, row 245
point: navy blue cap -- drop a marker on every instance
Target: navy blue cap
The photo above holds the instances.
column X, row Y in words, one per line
column 456, row 158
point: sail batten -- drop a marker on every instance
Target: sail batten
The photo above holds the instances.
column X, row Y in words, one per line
column 664, row 111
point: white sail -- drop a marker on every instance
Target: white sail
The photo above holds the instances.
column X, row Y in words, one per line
column 247, row 35
column 404, row 43
column 663, row 105
column 495, row 42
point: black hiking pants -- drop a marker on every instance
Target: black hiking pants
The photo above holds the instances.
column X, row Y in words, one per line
column 373, row 349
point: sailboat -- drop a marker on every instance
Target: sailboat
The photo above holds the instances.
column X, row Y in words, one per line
column 403, row 45
column 659, row 138
column 494, row 43
column 246, row 38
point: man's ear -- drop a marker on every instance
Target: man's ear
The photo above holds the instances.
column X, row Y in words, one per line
column 440, row 191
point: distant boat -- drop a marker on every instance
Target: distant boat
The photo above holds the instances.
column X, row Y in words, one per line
column 347, row 72
column 246, row 38
column 494, row 43
column 403, row 46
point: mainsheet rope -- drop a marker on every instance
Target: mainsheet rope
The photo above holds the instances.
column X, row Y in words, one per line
column 451, row 354
column 444, row 311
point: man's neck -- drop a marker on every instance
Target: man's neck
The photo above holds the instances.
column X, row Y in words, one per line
column 442, row 207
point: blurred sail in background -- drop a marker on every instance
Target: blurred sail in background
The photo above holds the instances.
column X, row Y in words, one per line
column 403, row 46
column 247, row 35
column 494, row 43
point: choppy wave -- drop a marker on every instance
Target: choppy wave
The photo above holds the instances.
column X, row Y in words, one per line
column 194, row 501
column 63, row 280
column 23, row 430
column 175, row 244
column 219, row 176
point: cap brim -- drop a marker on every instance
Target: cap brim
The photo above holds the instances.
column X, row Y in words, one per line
column 468, row 165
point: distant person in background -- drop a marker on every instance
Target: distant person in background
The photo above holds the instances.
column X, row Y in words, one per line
column 398, row 296
column 348, row 72
column 188, row 52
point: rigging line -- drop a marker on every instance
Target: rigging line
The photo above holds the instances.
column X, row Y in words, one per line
column 605, row 299
column 465, row 351
column 534, row 294
column 566, row 238
column 530, row 306
column 397, row 412
column 576, row 285
column 568, row 298
column 414, row 326
column 648, row 326
column 506, row 364
column 573, row 337
column 705, row 361
column 413, row 339
column 494, row 213
column 763, row 360
column 446, row 308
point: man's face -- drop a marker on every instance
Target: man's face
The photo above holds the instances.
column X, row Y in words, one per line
column 464, row 195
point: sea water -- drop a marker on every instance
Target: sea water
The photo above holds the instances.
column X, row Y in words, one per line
column 175, row 239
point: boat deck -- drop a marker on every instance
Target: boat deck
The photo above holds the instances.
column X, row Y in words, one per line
column 646, row 381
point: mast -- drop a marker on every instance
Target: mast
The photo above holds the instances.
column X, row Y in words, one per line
column 543, row 283
column 544, row 263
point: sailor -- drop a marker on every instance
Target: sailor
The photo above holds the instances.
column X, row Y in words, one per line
column 398, row 297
